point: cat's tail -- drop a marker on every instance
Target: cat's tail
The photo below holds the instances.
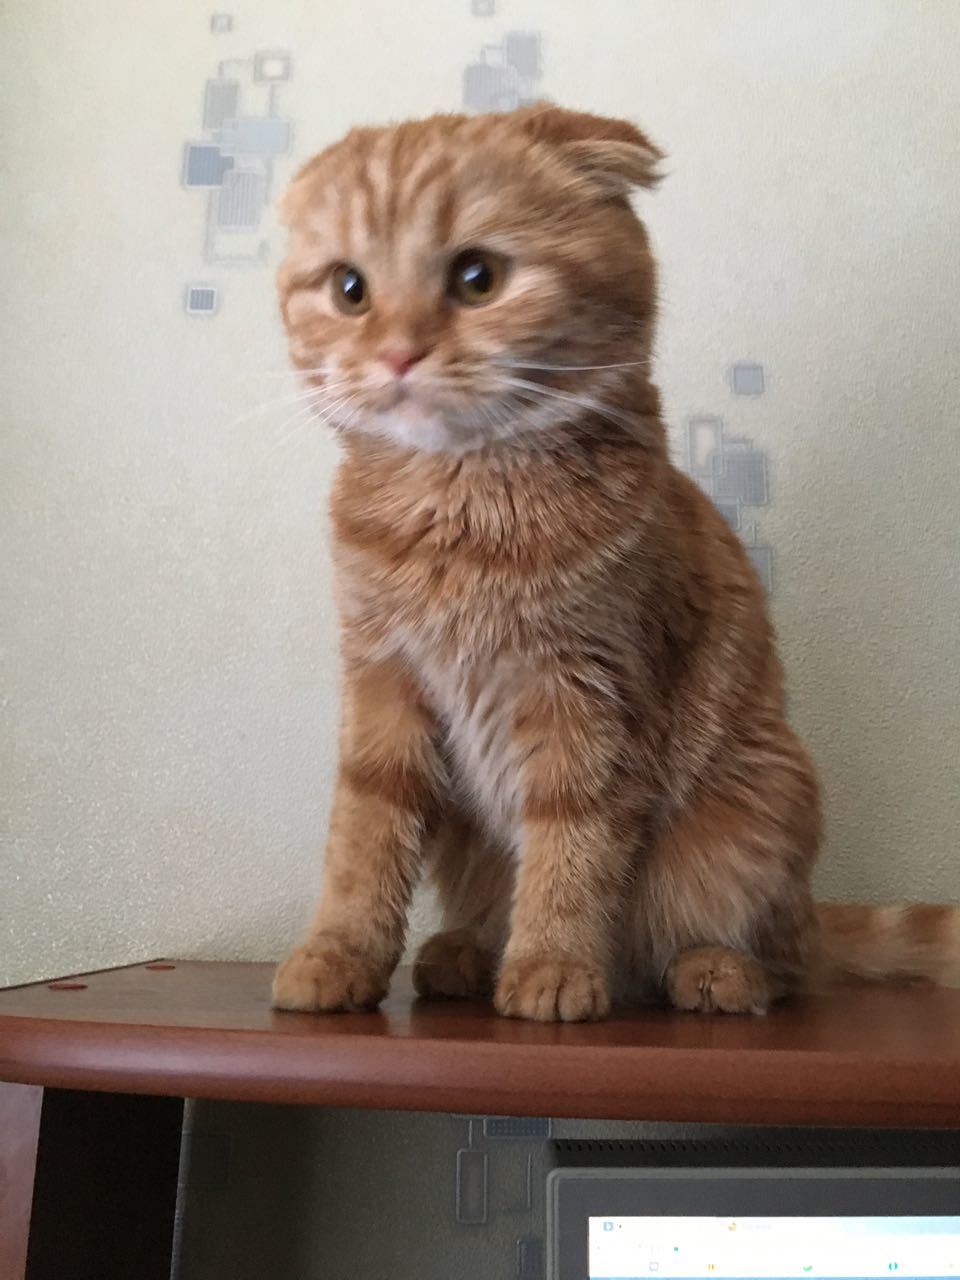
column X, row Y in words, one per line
column 903, row 943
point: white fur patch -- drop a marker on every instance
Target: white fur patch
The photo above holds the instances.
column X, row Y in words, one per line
column 416, row 428
column 487, row 767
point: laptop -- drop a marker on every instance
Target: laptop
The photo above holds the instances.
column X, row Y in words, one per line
column 754, row 1224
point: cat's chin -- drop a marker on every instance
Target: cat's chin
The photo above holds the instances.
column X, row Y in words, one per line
column 413, row 427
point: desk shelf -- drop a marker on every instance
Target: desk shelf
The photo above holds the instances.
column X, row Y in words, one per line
column 94, row 1071
column 859, row 1056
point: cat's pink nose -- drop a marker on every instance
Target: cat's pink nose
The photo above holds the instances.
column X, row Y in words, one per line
column 400, row 360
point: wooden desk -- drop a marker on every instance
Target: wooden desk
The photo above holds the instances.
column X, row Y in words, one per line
column 96, row 1068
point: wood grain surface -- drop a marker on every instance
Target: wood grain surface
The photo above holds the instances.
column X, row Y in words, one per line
column 879, row 1056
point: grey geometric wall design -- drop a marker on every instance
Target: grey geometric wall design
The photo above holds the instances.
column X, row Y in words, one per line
column 517, row 1127
column 747, row 379
column 499, row 1173
column 531, row 1259
column 200, row 300
column 732, row 471
column 506, row 75
column 232, row 163
column 472, row 1198
column 762, row 560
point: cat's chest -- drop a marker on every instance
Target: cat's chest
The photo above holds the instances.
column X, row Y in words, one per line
column 474, row 701
column 467, row 628
column 467, row 555
column 474, row 587
column 470, row 636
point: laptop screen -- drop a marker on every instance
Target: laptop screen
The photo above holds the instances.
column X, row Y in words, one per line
column 809, row 1248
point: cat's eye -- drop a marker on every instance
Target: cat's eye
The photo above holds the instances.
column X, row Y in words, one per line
column 476, row 277
column 351, row 293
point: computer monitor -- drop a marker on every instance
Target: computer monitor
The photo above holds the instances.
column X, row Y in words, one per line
column 754, row 1224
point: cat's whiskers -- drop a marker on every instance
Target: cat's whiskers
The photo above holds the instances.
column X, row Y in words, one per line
column 303, row 395
column 293, row 430
column 314, row 406
column 289, row 371
column 567, row 368
column 316, row 412
column 531, row 390
column 343, row 426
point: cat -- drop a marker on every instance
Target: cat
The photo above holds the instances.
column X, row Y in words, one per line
column 562, row 697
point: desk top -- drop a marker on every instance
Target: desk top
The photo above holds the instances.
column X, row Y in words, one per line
column 878, row 1056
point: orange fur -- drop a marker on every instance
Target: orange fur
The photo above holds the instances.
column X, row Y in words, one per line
column 561, row 692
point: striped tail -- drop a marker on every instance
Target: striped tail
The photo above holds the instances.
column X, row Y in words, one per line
column 902, row 943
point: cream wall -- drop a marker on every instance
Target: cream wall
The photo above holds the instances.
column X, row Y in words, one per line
column 168, row 634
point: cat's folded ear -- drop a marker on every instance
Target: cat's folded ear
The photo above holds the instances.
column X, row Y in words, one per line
column 614, row 153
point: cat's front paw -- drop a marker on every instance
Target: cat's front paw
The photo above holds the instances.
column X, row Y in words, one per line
column 718, row 980
column 324, row 976
column 550, row 989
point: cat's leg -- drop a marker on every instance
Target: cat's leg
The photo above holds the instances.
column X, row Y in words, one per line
column 724, row 917
column 577, row 834
column 474, row 883
column 389, row 770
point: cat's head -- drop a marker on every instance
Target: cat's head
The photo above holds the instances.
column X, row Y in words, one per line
column 456, row 281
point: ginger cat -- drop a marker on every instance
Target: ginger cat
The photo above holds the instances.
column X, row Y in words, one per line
column 561, row 692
